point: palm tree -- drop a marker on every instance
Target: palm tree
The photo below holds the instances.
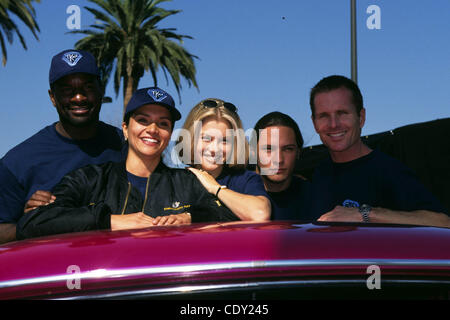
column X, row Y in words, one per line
column 126, row 37
column 24, row 10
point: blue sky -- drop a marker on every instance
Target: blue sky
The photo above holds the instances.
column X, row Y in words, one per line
column 262, row 56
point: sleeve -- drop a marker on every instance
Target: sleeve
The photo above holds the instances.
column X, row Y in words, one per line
column 407, row 193
column 207, row 208
column 70, row 212
column 12, row 196
column 254, row 185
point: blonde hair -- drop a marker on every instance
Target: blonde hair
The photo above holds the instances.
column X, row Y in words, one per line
column 239, row 154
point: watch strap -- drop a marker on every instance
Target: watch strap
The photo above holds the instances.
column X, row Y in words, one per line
column 365, row 211
column 220, row 188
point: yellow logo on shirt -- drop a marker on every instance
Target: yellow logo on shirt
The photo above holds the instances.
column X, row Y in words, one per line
column 176, row 206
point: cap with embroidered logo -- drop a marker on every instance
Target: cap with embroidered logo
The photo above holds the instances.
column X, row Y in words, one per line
column 72, row 61
column 152, row 95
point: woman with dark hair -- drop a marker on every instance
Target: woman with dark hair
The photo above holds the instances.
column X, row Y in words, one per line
column 140, row 192
column 279, row 143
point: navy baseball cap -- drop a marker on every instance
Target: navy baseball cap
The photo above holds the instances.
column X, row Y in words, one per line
column 152, row 95
column 72, row 61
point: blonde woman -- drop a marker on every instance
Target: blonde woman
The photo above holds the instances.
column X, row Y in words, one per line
column 215, row 149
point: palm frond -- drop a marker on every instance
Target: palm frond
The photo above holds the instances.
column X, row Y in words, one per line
column 129, row 43
column 24, row 11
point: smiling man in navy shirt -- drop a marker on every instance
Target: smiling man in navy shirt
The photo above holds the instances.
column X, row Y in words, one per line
column 357, row 183
column 35, row 166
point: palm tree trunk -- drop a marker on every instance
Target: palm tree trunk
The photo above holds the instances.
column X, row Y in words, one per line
column 130, row 84
column 127, row 92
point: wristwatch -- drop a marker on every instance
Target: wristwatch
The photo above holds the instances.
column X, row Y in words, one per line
column 365, row 209
column 220, row 188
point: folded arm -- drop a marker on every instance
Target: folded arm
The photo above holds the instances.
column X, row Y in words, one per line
column 246, row 207
column 383, row 215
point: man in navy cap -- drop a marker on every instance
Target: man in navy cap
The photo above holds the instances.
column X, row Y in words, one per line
column 29, row 171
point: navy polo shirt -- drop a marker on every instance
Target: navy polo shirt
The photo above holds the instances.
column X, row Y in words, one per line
column 292, row 203
column 242, row 181
column 139, row 183
column 375, row 179
column 42, row 160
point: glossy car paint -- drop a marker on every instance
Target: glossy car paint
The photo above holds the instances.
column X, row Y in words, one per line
column 226, row 253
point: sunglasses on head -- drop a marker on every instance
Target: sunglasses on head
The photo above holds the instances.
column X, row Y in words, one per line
column 214, row 104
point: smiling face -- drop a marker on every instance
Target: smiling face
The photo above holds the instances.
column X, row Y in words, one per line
column 213, row 146
column 77, row 98
column 148, row 132
column 338, row 124
column 277, row 154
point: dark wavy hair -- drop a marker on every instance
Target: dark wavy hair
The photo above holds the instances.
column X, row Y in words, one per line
column 277, row 118
column 336, row 82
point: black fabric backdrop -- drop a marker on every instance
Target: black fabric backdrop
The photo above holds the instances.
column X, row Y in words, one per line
column 424, row 147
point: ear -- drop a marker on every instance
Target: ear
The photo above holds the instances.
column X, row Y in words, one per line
column 52, row 97
column 362, row 118
column 125, row 130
